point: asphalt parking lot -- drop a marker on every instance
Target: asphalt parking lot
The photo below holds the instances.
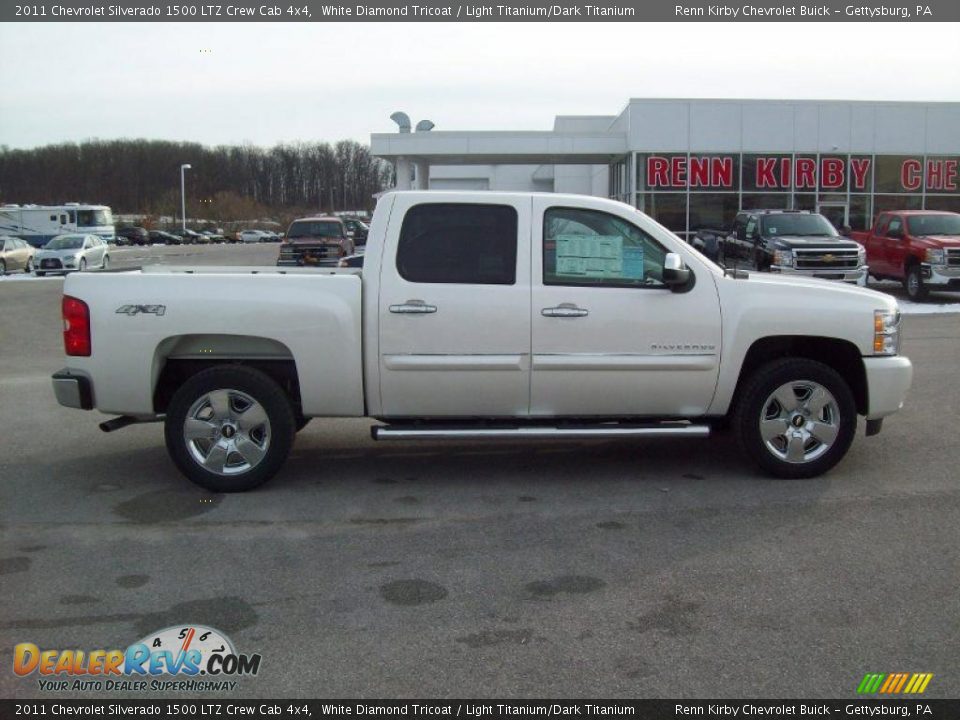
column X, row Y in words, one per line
column 605, row 569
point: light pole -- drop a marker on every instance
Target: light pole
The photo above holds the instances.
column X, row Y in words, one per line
column 183, row 196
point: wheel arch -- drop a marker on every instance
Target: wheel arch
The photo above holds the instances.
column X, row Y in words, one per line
column 841, row 355
column 180, row 357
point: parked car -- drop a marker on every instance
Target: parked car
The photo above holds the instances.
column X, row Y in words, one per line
column 252, row 236
column 15, row 254
column 66, row 253
column 166, row 238
column 315, row 241
column 213, row 236
column 794, row 242
column 271, row 236
column 482, row 316
column 920, row 248
column 133, row 236
column 191, row 237
column 357, row 229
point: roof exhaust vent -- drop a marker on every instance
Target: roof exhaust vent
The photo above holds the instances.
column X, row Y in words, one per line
column 402, row 120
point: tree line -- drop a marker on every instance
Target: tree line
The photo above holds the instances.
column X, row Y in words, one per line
column 143, row 177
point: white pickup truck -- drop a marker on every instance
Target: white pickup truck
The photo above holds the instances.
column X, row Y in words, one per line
column 485, row 315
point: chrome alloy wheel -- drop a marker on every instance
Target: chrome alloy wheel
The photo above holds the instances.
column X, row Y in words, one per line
column 227, row 432
column 800, row 421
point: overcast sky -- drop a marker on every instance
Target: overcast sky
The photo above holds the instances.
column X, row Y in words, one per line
column 268, row 83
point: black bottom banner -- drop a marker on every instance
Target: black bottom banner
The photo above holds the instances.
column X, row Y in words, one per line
column 655, row 709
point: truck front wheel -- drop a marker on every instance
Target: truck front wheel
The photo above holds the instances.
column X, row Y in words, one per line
column 229, row 429
column 796, row 418
column 913, row 284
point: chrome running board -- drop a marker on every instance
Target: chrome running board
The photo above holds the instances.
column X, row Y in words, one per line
column 535, row 432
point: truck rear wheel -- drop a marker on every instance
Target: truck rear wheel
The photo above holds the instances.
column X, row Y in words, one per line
column 230, row 428
column 913, row 284
column 796, row 418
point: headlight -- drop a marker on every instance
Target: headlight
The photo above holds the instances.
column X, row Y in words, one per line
column 861, row 255
column 784, row 258
column 936, row 256
column 886, row 332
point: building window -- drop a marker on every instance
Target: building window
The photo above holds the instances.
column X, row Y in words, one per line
column 668, row 209
column 943, row 202
column 459, row 243
column 712, row 211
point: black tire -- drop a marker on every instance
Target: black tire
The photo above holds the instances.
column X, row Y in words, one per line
column 913, row 284
column 82, row 265
column 242, row 380
column 39, row 273
column 3, row 268
column 105, row 264
column 753, row 407
column 28, row 268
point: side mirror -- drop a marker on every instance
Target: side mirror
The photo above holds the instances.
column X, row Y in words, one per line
column 895, row 233
column 846, row 230
column 675, row 273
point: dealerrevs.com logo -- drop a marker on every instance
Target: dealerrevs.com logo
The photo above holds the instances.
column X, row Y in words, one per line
column 177, row 658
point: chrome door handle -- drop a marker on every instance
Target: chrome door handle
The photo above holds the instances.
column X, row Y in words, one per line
column 413, row 307
column 565, row 310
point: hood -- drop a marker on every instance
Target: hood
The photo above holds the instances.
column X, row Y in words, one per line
column 59, row 253
column 806, row 241
column 938, row 241
column 315, row 240
column 821, row 287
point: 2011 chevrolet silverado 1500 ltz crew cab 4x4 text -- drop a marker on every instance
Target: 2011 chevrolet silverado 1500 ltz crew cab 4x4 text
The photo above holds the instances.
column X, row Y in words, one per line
column 485, row 315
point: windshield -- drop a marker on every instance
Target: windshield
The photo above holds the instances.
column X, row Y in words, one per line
column 94, row 218
column 315, row 228
column 946, row 224
column 790, row 224
column 65, row 242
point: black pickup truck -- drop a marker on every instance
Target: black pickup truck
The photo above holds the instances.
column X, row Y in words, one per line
column 798, row 242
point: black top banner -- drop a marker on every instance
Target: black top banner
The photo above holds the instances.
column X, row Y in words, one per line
column 525, row 11
column 915, row 707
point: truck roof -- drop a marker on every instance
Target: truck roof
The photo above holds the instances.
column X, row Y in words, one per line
column 330, row 218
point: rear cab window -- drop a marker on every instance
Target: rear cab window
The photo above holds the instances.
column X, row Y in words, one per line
column 459, row 243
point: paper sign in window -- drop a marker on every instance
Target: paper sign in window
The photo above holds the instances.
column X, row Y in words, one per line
column 595, row 257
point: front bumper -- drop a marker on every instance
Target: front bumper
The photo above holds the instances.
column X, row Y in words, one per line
column 72, row 390
column 945, row 277
column 856, row 276
column 888, row 380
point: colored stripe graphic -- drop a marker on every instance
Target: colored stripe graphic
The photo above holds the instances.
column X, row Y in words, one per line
column 894, row 683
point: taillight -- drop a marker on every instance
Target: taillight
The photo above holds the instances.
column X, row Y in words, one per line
column 76, row 327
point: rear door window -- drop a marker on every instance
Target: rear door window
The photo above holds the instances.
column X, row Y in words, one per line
column 459, row 243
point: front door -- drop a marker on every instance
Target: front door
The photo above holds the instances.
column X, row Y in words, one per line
column 454, row 309
column 609, row 337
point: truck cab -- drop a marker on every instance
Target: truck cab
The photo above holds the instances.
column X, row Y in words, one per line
column 795, row 242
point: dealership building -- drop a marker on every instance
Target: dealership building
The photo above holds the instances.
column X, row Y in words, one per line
column 693, row 164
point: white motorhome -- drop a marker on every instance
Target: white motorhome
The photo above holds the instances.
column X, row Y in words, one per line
column 37, row 224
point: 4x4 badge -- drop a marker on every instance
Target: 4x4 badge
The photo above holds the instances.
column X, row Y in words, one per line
column 145, row 309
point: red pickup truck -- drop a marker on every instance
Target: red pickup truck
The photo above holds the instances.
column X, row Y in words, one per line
column 921, row 248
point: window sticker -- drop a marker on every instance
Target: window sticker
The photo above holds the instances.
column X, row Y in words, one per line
column 773, row 231
column 596, row 256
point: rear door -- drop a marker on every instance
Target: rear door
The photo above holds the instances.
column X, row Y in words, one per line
column 454, row 308
column 609, row 337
